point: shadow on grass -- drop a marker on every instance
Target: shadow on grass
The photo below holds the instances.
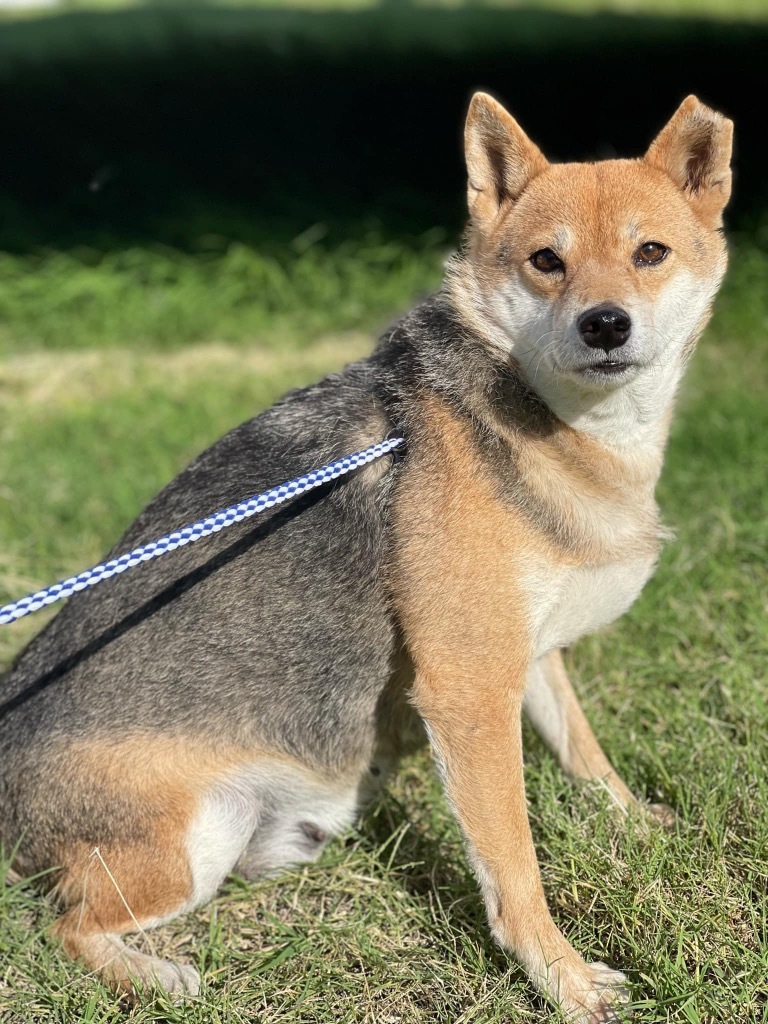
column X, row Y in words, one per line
column 192, row 126
column 431, row 866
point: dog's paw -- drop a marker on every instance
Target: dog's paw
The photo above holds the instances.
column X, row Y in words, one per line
column 613, row 992
column 648, row 818
column 662, row 814
column 138, row 975
column 599, row 997
column 176, row 979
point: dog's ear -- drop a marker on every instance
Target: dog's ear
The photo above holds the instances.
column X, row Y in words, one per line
column 501, row 159
column 694, row 149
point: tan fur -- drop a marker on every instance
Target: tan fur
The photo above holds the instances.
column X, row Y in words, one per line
column 466, row 622
column 109, row 890
column 453, row 554
column 554, row 710
column 595, row 216
column 501, row 159
column 495, row 571
column 579, row 195
column 694, row 149
column 587, row 487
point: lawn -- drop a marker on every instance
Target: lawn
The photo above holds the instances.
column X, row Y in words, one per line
column 713, row 8
column 141, row 318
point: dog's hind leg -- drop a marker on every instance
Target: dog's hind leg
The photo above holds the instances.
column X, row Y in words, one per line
column 169, row 821
column 187, row 815
column 302, row 815
column 553, row 709
column 121, row 967
column 113, row 891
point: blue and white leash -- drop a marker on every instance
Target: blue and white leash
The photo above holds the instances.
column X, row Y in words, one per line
column 189, row 534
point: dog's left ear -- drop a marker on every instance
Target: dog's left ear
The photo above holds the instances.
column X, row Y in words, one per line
column 694, row 149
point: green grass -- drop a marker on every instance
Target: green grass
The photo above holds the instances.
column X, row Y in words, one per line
column 160, row 298
column 710, row 8
column 389, row 926
column 198, row 282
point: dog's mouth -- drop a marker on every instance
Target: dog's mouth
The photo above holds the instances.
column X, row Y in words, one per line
column 609, row 370
column 606, row 368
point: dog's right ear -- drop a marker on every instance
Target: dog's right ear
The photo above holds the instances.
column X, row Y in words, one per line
column 501, row 159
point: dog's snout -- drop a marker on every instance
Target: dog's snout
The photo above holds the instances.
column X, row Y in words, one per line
column 605, row 327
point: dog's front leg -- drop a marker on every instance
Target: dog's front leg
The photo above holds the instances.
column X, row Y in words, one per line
column 458, row 557
column 553, row 709
column 475, row 731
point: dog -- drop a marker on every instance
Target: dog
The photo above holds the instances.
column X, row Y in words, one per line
column 231, row 707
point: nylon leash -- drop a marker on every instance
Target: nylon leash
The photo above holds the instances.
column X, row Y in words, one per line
column 195, row 531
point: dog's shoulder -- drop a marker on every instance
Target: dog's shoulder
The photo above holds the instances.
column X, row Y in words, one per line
column 470, row 413
column 504, row 515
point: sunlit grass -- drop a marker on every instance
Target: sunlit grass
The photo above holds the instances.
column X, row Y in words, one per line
column 708, row 8
column 160, row 298
column 389, row 927
column 122, row 359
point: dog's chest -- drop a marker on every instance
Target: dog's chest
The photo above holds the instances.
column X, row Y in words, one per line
column 573, row 601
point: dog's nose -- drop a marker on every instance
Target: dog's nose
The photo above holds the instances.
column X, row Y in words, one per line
column 605, row 327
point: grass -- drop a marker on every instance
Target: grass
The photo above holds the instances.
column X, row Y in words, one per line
column 177, row 174
column 155, row 297
column 194, row 283
column 711, row 8
column 389, row 926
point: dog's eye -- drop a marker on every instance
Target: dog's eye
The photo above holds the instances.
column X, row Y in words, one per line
column 547, row 261
column 650, row 253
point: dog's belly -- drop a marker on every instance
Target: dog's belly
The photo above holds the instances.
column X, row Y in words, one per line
column 576, row 601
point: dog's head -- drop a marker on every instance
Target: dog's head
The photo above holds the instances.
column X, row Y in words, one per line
column 597, row 278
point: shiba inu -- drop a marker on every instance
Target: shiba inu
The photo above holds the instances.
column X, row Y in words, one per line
column 231, row 707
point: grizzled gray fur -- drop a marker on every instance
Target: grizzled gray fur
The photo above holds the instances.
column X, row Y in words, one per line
column 277, row 631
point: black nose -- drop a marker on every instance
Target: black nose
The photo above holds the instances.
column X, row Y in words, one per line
column 604, row 327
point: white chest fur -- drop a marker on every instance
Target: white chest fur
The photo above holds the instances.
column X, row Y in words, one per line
column 576, row 600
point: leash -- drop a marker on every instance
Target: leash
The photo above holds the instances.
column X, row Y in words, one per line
column 195, row 531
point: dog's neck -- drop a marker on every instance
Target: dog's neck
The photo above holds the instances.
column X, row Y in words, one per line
column 632, row 421
column 462, row 365
column 632, row 448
